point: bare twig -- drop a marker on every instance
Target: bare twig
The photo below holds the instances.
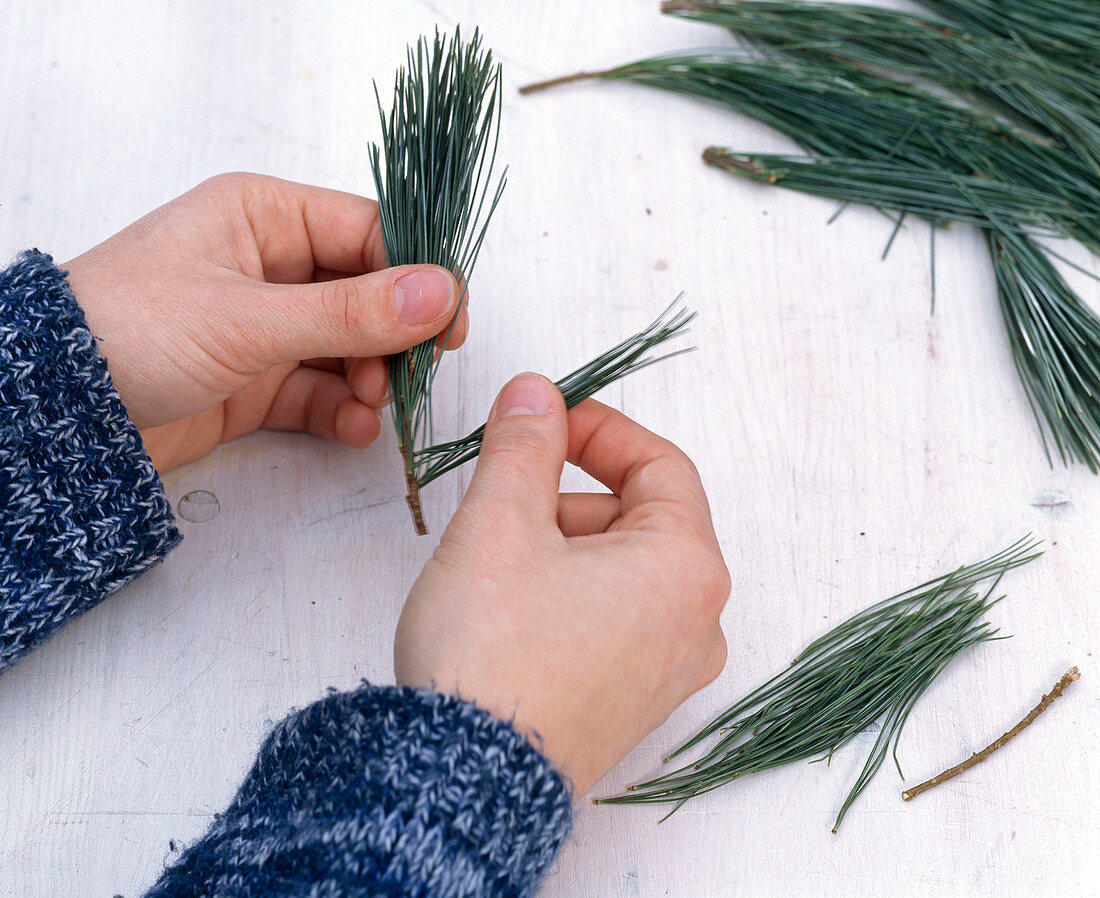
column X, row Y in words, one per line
column 1072, row 674
column 554, row 82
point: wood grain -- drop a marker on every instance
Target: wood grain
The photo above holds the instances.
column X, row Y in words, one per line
column 852, row 445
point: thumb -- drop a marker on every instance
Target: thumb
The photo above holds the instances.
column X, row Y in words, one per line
column 375, row 314
column 519, row 468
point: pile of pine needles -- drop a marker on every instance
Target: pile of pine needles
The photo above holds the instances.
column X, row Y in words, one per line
column 434, row 175
column 981, row 111
column 874, row 666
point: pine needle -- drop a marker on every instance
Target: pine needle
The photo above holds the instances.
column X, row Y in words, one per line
column 1062, row 28
column 872, row 667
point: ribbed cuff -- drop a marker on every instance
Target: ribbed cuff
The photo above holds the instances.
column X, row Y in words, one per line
column 384, row 791
column 82, row 510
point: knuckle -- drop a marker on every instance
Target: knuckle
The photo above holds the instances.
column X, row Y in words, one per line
column 341, row 307
column 715, row 661
column 701, row 565
column 234, row 182
column 678, row 460
column 514, row 447
column 717, row 586
column 685, row 462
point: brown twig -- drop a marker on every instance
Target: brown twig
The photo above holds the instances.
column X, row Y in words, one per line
column 564, row 79
column 1072, row 674
column 412, row 485
column 719, row 158
column 413, row 500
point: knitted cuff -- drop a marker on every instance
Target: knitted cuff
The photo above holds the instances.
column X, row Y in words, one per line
column 384, row 791
column 82, row 511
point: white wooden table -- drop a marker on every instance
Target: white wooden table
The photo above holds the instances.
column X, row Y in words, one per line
column 852, row 444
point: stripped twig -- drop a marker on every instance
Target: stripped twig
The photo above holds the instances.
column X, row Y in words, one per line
column 1072, row 674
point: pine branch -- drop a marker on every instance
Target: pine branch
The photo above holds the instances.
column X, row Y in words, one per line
column 1054, row 335
column 939, row 196
column 1070, row 676
column 1048, row 94
column 838, row 111
column 874, row 666
column 813, row 72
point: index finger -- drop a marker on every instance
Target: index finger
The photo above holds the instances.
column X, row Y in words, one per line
column 300, row 229
column 312, row 233
column 646, row 471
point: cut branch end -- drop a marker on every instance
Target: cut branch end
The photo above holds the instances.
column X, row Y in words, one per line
column 413, row 500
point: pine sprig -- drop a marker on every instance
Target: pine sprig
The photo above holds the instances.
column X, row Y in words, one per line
column 837, row 111
column 434, row 174
column 632, row 354
column 436, row 194
column 939, row 196
column 872, row 667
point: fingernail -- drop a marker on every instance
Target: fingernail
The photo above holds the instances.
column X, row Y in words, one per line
column 422, row 296
column 526, row 394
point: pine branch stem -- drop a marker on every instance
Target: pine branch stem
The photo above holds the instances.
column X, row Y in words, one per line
column 1072, row 674
column 564, row 79
column 413, row 500
column 412, row 497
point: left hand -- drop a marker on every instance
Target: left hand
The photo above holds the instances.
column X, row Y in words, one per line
column 251, row 302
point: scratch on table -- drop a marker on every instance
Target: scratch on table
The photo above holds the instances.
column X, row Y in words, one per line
column 252, row 601
column 1053, row 503
column 437, row 12
column 109, row 755
column 58, row 819
column 343, row 511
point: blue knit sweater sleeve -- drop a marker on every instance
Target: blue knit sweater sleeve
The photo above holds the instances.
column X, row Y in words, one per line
column 377, row 792
column 82, row 511
column 383, row 792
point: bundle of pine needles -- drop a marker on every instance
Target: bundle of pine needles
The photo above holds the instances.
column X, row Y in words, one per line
column 631, row 355
column 874, row 666
column 1010, row 143
column 436, row 194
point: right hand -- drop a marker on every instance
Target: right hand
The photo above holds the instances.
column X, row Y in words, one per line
column 583, row 619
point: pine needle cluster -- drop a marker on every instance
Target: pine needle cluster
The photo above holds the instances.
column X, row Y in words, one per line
column 434, row 175
column 436, row 194
column 980, row 111
column 632, row 354
column 873, row 667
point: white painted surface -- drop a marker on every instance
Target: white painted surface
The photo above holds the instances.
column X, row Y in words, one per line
column 852, row 445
